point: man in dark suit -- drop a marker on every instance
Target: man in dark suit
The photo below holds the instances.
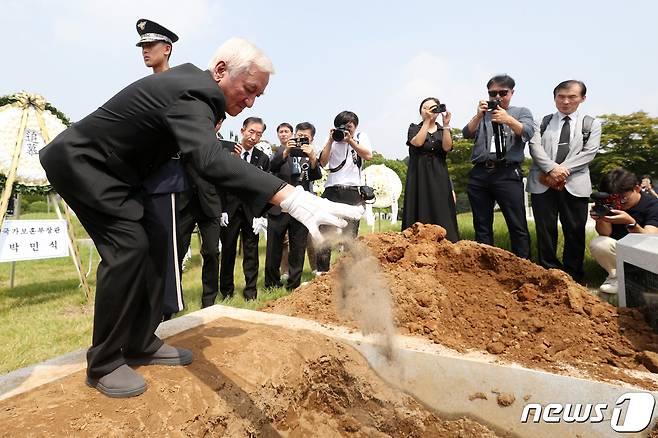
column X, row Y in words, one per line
column 201, row 205
column 99, row 164
column 241, row 218
column 295, row 163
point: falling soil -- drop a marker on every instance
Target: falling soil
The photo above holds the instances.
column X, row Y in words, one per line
column 247, row 380
column 473, row 297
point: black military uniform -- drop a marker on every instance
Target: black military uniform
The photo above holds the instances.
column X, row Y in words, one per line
column 99, row 164
column 240, row 219
column 160, row 204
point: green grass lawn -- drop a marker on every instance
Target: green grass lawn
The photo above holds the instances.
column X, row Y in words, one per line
column 45, row 314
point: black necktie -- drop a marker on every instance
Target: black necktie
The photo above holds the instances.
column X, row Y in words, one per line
column 565, row 139
column 245, row 156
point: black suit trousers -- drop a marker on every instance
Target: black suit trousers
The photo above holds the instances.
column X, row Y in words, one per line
column 572, row 212
column 209, row 229
column 504, row 185
column 277, row 226
column 239, row 225
column 128, row 305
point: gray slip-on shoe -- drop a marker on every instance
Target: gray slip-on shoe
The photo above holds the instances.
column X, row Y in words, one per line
column 121, row 383
column 166, row 355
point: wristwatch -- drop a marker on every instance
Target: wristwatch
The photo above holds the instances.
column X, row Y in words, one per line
column 629, row 227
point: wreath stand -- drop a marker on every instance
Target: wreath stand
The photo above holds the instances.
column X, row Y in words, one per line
column 35, row 101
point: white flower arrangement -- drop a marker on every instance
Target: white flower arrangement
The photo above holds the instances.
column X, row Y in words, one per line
column 385, row 182
column 29, row 171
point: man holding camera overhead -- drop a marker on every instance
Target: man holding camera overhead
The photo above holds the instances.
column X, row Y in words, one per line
column 342, row 156
column 559, row 182
column 296, row 164
column 500, row 132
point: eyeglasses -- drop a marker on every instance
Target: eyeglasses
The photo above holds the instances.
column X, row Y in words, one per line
column 501, row 93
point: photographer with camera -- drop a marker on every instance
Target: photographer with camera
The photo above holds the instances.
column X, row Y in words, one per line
column 296, row 164
column 647, row 185
column 620, row 208
column 559, row 182
column 500, row 132
column 342, row 156
column 428, row 192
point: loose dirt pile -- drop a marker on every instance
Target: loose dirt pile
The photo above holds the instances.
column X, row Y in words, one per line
column 246, row 380
column 469, row 296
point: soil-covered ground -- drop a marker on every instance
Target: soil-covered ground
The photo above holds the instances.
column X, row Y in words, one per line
column 246, row 380
column 469, row 296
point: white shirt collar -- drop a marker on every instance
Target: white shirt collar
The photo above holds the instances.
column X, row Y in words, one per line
column 572, row 116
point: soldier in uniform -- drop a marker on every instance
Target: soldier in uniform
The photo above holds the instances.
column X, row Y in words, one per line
column 162, row 187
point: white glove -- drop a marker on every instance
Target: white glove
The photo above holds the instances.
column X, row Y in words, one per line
column 259, row 225
column 223, row 220
column 313, row 211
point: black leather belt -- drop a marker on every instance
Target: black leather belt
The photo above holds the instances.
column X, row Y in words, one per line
column 493, row 164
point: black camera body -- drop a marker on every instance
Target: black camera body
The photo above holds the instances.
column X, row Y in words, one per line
column 604, row 202
column 339, row 133
column 440, row 108
column 297, row 151
column 493, row 104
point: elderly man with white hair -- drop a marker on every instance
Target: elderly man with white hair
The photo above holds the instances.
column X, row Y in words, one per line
column 99, row 163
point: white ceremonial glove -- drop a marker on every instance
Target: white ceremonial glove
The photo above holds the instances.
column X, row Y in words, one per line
column 223, row 220
column 313, row 211
column 259, row 225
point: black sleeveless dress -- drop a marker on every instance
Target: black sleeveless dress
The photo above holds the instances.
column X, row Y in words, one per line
column 428, row 192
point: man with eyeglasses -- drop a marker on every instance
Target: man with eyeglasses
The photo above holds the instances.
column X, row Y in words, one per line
column 500, row 132
column 635, row 212
column 559, row 182
column 241, row 218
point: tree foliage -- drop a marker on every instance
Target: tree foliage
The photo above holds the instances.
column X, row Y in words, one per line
column 628, row 141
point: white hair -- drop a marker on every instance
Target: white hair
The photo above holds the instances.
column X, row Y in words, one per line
column 239, row 54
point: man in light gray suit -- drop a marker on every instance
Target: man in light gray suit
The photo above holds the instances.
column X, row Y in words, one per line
column 559, row 181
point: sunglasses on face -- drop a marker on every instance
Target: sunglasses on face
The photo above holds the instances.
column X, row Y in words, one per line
column 501, row 93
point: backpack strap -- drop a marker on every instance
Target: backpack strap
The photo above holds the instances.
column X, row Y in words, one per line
column 587, row 128
column 544, row 124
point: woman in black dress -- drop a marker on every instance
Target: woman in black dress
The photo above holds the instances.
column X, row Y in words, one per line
column 428, row 194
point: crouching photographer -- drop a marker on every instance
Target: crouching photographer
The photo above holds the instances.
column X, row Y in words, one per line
column 342, row 156
column 296, row 164
column 619, row 208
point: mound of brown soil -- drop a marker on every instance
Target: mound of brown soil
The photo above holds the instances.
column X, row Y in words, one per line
column 246, row 381
column 469, row 296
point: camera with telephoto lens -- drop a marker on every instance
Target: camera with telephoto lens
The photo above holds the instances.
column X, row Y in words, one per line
column 297, row 151
column 604, row 202
column 493, row 104
column 339, row 133
column 440, row 108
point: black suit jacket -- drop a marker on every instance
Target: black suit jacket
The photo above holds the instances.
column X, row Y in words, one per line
column 102, row 160
column 282, row 168
column 232, row 203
